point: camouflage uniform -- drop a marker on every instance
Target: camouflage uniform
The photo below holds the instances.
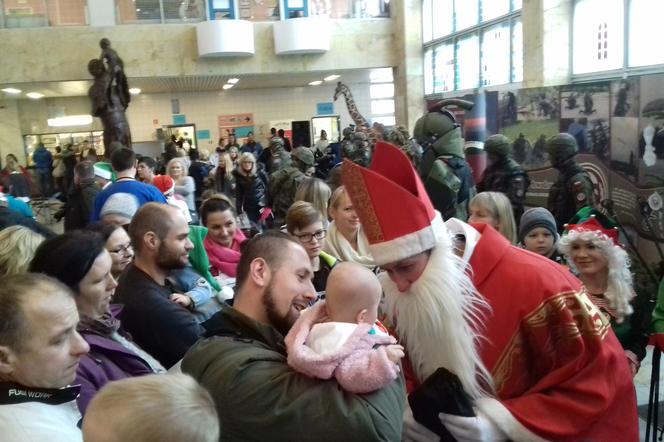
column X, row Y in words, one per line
column 285, row 181
column 574, row 189
column 280, row 156
column 447, row 176
column 355, row 147
column 399, row 137
column 504, row 174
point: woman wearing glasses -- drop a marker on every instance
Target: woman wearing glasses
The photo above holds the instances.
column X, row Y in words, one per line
column 118, row 245
column 305, row 223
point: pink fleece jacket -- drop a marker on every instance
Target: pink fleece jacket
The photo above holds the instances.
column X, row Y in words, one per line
column 357, row 366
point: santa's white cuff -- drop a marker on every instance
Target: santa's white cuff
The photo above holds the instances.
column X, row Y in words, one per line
column 501, row 416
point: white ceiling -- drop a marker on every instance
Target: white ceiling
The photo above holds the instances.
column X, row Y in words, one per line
column 156, row 85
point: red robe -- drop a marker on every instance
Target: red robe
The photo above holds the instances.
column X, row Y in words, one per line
column 557, row 366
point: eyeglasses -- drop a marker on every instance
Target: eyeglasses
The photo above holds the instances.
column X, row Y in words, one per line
column 122, row 249
column 308, row 237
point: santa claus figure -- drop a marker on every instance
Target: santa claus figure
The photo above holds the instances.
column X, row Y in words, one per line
column 537, row 358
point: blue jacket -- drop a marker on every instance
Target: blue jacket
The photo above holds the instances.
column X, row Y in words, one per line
column 42, row 158
column 145, row 193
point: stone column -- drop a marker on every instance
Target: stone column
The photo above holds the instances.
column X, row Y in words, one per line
column 11, row 140
column 546, row 42
column 408, row 72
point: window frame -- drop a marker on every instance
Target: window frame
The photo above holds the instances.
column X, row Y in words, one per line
column 610, row 74
column 510, row 18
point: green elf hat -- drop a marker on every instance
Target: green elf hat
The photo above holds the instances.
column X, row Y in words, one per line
column 592, row 220
column 105, row 171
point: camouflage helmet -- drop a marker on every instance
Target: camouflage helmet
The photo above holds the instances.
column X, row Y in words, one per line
column 277, row 142
column 348, row 131
column 304, row 155
column 498, row 145
column 439, row 129
column 432, row 126
column 359, row 137
column 561, row 147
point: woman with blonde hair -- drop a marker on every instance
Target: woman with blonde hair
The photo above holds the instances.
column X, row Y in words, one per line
column 494, row 209
column 345, row 239
column 224, row 180
column 184, row 184
column 591, row 248
column 17, row 248
column 251, row 187
column 316, row 192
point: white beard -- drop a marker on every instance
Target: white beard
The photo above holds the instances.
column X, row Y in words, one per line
column 437, row 319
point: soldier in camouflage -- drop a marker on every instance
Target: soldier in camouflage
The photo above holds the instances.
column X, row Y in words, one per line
column 446, row 174
column 284, row 182
column 280, row 156
column 504, row 174
column 574, row 189
column 400, row 137
column 355, row 147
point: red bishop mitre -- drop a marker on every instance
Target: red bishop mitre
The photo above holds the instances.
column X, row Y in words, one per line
column 396, row 214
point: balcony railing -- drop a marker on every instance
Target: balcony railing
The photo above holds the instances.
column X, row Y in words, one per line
column 41, row 13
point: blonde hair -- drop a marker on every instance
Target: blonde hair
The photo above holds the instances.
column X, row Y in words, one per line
column 500, row 208
column 335, row 199
column 245, row 157
column 153, row 408
column 179, row 161
column 316, row 192
column 225, row 158
column 619, row 290
column 17, row 248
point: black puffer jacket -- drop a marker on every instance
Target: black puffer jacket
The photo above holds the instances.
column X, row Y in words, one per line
column 250, row 194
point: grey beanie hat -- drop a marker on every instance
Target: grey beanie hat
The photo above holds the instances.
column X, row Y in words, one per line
column 537, row 217
column 123, row 204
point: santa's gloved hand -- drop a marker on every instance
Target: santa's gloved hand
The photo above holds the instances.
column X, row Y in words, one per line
column 414, row 431
column 472, row 429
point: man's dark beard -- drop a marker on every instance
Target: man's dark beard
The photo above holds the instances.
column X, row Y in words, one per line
column 167, row 260
column 281, row 323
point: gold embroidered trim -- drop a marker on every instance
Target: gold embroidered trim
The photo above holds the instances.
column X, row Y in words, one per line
column 356, row 186
column 551, row 326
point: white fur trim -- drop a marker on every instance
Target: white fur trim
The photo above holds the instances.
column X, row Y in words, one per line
column 501, row 416
column 457, row 227
column 410, row 244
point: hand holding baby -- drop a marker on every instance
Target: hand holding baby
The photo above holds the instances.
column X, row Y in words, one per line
column 394, row 352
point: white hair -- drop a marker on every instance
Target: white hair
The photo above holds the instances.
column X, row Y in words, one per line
column 439, row 320
column 619, row 290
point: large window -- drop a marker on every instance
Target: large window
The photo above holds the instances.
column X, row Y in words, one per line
column 381, row 92
column 610, row 35
column 471, row 43
column 160, row 11
column 37, row 13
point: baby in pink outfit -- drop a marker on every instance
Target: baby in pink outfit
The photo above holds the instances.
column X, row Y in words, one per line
column 341, row 337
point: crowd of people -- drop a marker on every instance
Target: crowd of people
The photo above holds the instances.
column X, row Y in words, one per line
column 279, row 293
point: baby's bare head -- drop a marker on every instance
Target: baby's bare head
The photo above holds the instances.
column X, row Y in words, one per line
column 352, row 294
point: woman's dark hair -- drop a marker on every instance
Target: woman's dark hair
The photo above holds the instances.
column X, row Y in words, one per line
column 104, row 229
column 216, row 203
column 148, row 161
column 68, row 257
